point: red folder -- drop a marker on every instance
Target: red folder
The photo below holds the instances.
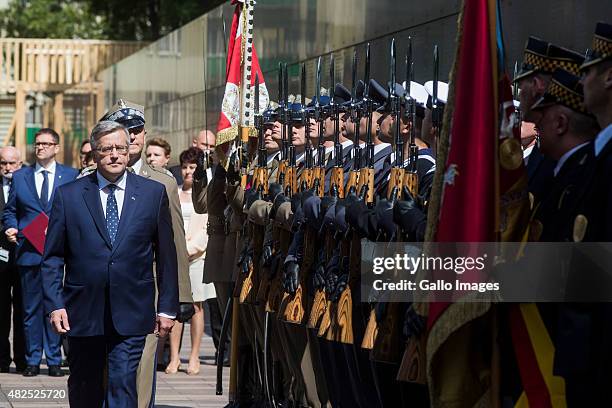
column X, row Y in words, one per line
column 36, row 231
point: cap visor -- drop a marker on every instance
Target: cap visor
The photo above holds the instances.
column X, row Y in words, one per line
column 523, row 74
column 131, row 123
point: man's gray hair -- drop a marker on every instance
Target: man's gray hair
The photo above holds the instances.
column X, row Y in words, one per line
column 104, row 127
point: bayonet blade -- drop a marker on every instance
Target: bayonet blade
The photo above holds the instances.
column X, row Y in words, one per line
column 392, row 66
column 366, row 80
column 318, row 84
column 285, row 86
column 409, row 67
column 280, row 83
column 434, row 97
column 332, row 79
column 354, row 77
column 303, row 85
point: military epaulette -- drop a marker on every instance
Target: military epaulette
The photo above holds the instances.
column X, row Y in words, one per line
column 162, row 170
column 87, row 171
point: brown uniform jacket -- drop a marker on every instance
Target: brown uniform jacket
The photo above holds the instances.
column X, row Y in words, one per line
column 178, row 227
column 209, row 197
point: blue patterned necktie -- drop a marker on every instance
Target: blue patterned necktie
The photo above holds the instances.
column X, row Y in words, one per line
column 112, row 213
column 44, row 190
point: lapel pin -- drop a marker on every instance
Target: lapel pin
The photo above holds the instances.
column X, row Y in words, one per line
column 133, row 198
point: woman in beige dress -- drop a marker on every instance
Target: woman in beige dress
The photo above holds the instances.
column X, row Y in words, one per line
column 195, row 234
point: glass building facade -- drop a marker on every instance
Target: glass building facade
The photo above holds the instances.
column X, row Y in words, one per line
column 180, row 78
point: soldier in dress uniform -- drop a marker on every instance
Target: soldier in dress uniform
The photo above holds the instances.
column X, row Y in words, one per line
column 540, row 59
column 583, row 356
column 132, row 117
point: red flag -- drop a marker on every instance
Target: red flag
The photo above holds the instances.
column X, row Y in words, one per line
column 469, row 202
column 484, row 200
column 241, row 69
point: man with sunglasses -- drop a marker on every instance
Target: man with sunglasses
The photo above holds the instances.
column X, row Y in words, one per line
column 131, row 116
column 31, row 195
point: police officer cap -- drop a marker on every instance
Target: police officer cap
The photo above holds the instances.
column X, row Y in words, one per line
column 128, row 114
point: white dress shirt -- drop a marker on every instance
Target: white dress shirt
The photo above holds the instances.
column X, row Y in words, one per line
column 6, row 188
column 119, row 191
column 119, row 196
column 39, row 178
column 137, row 166
column 602, row 139
column 527, row 153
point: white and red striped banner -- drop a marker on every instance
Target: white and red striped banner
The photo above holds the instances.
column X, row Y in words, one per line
column 237, row 109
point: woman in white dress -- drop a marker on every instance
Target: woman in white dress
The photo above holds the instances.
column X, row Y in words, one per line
column 195, row 234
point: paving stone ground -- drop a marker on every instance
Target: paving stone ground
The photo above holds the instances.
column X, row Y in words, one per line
column 176, row 390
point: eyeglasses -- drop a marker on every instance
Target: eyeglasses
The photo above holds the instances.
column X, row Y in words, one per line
column 136, row 130
column 106, row 150
column 44, row 145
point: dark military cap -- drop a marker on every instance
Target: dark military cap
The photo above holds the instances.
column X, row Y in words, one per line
column 380, row 95
column 128, row 114
column 564, row 89
column 601, row 49
column 534, row 54
column 341, row 94
column 555, row 57
column 270, row 115
column 296, row 111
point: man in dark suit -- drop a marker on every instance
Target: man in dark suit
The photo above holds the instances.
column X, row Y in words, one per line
column 10, row 287
column 31, row 195
column 106, row 229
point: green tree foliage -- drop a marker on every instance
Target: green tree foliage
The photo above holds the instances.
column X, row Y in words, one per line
column 144, row 20
column 50, row 19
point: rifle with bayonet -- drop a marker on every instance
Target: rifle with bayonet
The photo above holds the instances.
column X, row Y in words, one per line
column 396, row 176
column 436, row 112
column 366, row 174
column 260, row 174
column 355, row 113
column 411, row 179
column 337, row 172
column 386, row 347
column 250, row 284
column 290, row 181
column 282, row 118
column 306, row 177
column 319, row 117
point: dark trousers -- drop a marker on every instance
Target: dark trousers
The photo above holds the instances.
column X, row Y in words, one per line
column 215, row 319
column 37, row 330
column 224, row 291
column 89, row 356
column 11, row 303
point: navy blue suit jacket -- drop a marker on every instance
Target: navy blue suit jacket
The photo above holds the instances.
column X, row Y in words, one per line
column 97, row 272
column 24, row 205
